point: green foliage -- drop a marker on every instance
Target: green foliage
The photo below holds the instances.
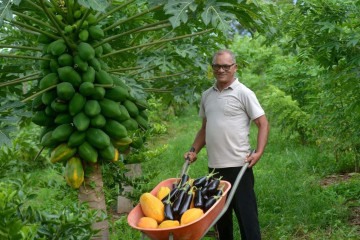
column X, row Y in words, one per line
column 21, row 222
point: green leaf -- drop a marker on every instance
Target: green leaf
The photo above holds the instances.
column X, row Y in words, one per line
column 179, row 11
column 97, row 5
column 213, row 14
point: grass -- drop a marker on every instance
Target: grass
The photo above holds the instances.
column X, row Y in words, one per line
column 292, row 203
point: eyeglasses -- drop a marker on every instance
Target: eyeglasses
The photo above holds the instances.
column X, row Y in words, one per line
column 217, row 67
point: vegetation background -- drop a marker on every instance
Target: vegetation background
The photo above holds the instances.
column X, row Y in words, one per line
column 300, row 57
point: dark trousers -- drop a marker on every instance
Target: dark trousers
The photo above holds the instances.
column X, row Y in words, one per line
column 244, row 205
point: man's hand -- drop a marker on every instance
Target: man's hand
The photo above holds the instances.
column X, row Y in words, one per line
column 252, row 159
column 191, row 156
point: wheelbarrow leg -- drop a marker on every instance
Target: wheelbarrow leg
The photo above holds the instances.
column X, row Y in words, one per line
column 214, row 233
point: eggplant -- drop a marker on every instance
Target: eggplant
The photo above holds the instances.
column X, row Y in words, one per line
column 210, row 202
column 184, row 178
column 198, row 199
column 168, row 212
column 173, row 193
column 213, row 185
column 185, row 204
column 200, row 182
column 177, row 203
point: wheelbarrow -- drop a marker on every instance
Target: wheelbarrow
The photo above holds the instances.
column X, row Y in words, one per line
column 195, row 230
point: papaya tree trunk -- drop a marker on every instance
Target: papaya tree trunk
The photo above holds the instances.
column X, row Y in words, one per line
column 92, row 193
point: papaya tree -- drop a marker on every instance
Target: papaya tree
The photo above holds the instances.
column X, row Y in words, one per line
column 82, row 71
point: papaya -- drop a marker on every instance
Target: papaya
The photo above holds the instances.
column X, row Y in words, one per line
column 74, row 172
column 102, row 77
column 85, row 51
column 48, row 97
column 68, row 74
column 79, row 63
column 37, row 103
column 76, row 104
column 107, row 48
column 98, row 93
column 110, row 108
column 63, row 118
column 62, row 132
column 169, row 224
column 92, row 108
column 117, row 93
column 57, row 47
column 62, row 153
column 59, row 106
column 89, row 75
column 65, row 60
column 130, row 124
column 54, row 65
column 94, row 62
column 97, row 138
column 144, row 114
column 40, row 118
column 49, row 80
column 147, row 222
column 81, row 121
column 137, row 142
column 65, row 91
column 152, row 207
column 143, row 123
column 124, row 114
column 109, row 153
column 98, row 121
column 50, row 112
column 96, row 32
column 76, row 138
column 121, row 142
column 98, row 51
column 131, row 107
column 91, row 18
column 141, row 104
column 47, row 140
column 87, row 152
column 115, row 129
column 84, row 35
column 86, row 89
column 191, row 215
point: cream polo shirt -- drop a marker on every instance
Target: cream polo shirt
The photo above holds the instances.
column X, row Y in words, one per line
column 228, row 116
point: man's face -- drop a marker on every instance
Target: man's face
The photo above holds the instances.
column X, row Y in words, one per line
column 224, row 68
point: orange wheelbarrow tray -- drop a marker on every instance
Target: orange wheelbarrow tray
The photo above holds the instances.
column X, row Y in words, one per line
column 192, row 231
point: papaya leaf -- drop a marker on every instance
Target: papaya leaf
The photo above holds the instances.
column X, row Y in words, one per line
column 179, row 11
column 4, row 138
column 213, row 14
column 97, row 5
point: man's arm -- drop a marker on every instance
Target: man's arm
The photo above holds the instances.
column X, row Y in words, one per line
column 199, row 142
column 262, row 137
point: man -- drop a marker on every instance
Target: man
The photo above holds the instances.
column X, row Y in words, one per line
column 227, row 109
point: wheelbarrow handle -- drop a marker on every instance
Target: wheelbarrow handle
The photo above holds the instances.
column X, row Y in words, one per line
column 187, row 162
column 231, row 194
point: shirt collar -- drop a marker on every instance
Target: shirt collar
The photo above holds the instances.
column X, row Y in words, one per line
column 232, row 85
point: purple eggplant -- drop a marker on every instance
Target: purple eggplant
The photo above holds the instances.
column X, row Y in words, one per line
column 198, row 199
column 173, row 193
column 213, row 185
column 185, row 204
column 177, row 203
column 168, row 212
column 210, row 202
